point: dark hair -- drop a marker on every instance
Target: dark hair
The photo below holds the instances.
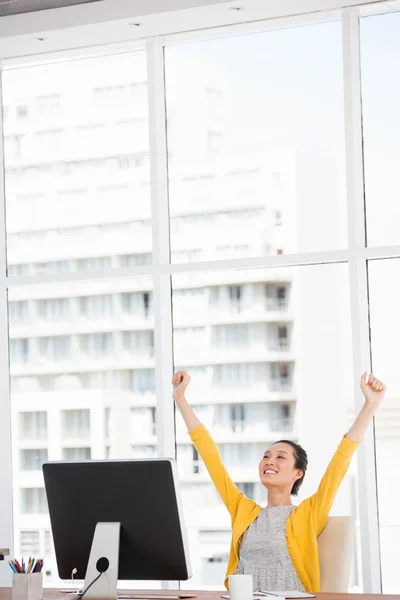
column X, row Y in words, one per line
column 301, row 462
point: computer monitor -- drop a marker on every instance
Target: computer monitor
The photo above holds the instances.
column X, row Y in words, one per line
column 127, row 512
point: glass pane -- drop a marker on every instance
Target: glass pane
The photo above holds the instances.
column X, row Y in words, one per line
column 256, row 144
column 77, row 165
column 82, row 387
column 384, row 278
column 380, row 55
column 261, row 346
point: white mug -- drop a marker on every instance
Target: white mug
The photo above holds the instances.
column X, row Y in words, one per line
column 240, row 587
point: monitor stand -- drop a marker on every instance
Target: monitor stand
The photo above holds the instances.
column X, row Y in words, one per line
column 104, row 559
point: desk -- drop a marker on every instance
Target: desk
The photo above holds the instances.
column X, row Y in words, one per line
column 54, row 594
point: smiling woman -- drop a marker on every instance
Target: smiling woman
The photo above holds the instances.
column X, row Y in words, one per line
column 284, row 457
column 278, row 544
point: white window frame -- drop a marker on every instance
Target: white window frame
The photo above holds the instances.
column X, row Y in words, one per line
column 356, row 255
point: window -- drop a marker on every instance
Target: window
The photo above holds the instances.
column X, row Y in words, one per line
column 56, row 309
column 139, row 343
column 277, row 297
column 18, row 312
column 384, row 278
column 67, row 160
column 32, row 460
column 96, row 307
column 33, row 501
column 143, row 381
column 48, row 543
column 381, row 126
column 283, row 339
column 247, row 488
column 56, row 348
column 237, row 417
column 30, row 542
column 196, row 461
column 33, row 425
column 96, row 345
column 19, row 351
column 76, row 423
column 137, row 304
column 77, row 454
column 135, row 260
column 247, row 398
column 235, row 121
column 100, row 262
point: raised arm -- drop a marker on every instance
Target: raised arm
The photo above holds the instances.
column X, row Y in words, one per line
column 321, row 502
column 374, row 392
column 206, row 446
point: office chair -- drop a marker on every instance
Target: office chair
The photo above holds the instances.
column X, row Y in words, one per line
column 335, row 546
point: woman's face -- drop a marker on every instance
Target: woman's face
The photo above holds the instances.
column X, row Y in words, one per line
column 277, row 468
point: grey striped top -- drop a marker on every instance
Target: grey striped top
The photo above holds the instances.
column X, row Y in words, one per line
column 263, row 552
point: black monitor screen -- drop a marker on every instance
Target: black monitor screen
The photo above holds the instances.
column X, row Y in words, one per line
column 140, row 494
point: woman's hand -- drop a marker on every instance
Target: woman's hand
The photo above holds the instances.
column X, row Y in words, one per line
column 373, row 389
column 180, row 381
column 374, row 392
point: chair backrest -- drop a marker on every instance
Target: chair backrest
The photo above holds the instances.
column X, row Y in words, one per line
column 335, row 546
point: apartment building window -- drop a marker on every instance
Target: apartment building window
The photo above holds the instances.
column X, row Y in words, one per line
column 277, row 297
column 48, row 543
column 97, row 345
column 237, row 417
column 280, row 376
column 237, row 334
column 247, row 487
column 96, row 306
column 30, row 542
column 279, row 417
column 97, row 263
column 18, row 270
column 77, row 454
column 235, row 297
column 19, row 351
column 33, row 501
column 143, row 381
column 33, row 425
column 33, row 459
column 140, row 343
column 137, row 304
column 56, row 309
column 57, row 348
column 278, row 218
column 283, row 338
column 238, row 374
column 135, row 260
column 196, row 461
column 76, row 423
column 18, row 312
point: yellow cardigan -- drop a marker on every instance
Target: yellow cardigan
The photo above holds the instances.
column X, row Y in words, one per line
column 305, row 522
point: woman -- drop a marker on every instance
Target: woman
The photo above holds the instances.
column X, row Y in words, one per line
column 278, row 544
